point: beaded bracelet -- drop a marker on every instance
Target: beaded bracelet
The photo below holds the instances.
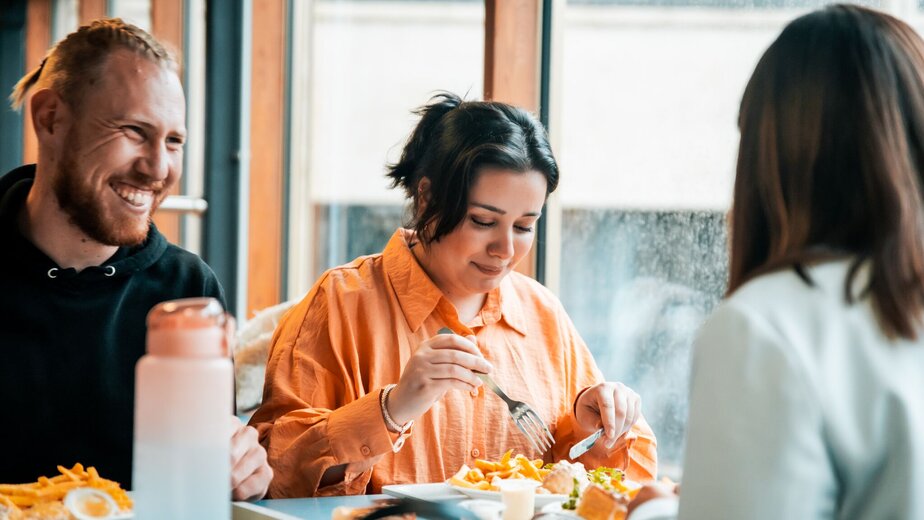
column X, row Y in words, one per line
column 389, row 422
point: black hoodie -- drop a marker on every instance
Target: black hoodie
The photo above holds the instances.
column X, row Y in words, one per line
column 69, row 342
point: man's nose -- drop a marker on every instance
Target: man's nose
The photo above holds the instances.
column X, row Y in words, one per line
column 155, row 163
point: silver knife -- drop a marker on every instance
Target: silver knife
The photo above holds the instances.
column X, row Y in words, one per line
column 581, row 447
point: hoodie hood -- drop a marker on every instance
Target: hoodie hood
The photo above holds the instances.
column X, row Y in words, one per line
column 14, row 188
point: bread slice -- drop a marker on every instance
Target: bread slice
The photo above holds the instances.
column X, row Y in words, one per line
column 597, row 503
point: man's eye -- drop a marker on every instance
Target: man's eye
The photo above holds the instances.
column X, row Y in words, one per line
column 136, row 130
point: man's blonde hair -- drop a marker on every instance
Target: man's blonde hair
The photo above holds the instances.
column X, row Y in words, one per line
column 73, row 65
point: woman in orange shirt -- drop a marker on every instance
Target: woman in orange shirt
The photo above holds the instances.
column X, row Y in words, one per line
column 361, row 389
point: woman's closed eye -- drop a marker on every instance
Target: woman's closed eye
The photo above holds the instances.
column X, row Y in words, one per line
column 491, row 223
column 482, row 223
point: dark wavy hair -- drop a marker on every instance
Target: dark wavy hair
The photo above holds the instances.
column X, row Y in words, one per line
column 830, row 161
column 453, row 141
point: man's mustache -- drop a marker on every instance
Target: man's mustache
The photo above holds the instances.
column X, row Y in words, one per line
column 140, row 182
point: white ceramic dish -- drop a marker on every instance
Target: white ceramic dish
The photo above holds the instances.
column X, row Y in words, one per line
column 557, row 509
column 542, row 500
column 436, row 492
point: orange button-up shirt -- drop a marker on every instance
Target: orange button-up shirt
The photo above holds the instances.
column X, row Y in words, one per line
column 351, row 336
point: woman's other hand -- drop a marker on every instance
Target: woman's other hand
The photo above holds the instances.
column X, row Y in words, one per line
column 613, row 406
column 442, row 363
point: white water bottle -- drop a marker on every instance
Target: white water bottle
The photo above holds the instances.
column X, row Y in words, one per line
column 183, row 402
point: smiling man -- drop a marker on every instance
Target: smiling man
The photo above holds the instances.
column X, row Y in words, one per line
column 83, row 264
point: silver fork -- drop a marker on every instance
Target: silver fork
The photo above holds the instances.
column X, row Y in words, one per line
column 526, row 419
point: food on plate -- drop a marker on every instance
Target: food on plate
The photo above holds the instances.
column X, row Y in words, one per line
column 596, row 503
column 557, row 478
column 44, row 511
column 600, row 493
column 485, row 472
column 563, row 477
column 86, row 502
column 603, row 493
column 44, row 498
column 612, row 479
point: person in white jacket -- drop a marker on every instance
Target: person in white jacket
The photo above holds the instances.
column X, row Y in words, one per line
column 807, row 393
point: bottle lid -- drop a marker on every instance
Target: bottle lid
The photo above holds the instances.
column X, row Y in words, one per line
column 190, row 327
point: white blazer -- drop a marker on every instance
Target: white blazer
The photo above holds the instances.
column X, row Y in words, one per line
column 801, row 408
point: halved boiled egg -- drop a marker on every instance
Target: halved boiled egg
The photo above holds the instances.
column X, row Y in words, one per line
column 90, row 504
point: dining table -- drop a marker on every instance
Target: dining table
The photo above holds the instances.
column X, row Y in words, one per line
column 438, row 500
column 315, row 508
column 322, row 508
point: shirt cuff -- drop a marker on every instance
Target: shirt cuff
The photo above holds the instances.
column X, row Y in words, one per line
column 664, row 508
column 357, row 431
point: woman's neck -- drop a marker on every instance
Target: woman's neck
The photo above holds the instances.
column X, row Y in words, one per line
column 467, row 305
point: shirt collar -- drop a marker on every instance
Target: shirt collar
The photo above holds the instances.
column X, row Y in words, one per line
column 510, row 305
column 419, row 297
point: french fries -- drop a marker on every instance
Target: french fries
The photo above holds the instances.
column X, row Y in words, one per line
column 44, row 490
column 483, row 475
column 564, row 477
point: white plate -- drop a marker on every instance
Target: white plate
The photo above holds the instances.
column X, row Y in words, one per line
column 436, row 492
column 541, row 498
column 557, row 509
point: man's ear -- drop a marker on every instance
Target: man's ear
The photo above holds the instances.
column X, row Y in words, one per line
column 48, row 112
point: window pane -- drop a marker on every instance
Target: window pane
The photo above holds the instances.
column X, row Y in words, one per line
column 646, row 281
column 63, row 19
column 360, row 67
column 648, row 94
column 137, row 12
column 728, row 4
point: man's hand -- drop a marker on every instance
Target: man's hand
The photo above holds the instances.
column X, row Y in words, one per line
column 612, row 406
column 250, row 472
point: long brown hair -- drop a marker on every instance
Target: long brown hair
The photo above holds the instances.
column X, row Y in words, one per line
column 830, row 160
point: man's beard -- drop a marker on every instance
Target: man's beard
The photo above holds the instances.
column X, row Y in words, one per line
column 85, row 209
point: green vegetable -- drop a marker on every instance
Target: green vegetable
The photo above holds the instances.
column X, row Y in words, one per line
column 605, row 477
column 572, row 498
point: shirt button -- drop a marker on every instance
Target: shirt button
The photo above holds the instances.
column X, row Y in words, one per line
column 365, row 450
column 474, row 393
column 476, row 453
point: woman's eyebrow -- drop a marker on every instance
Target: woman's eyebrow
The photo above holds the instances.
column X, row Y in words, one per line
column 500, row 211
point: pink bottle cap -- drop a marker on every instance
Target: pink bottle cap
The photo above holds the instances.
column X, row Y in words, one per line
column 191, row 328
